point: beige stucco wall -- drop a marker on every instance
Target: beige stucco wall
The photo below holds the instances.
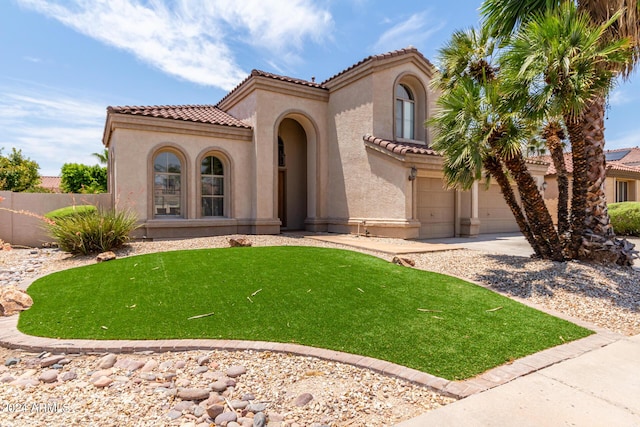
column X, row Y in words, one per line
column 19, row 224
column 134, row 143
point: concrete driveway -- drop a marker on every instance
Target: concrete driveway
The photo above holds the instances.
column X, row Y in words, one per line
column 504, row 243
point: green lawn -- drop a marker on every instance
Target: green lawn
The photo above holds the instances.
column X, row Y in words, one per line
column 328, row 298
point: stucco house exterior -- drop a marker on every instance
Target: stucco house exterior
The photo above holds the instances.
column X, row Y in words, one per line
column 280, row 153
column 622, row 175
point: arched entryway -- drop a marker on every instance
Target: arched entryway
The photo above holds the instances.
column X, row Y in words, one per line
column 292, row 175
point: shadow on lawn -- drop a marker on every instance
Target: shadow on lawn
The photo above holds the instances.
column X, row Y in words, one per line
column 521, row 278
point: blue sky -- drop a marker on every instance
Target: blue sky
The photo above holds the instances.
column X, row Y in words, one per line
column 63, row 62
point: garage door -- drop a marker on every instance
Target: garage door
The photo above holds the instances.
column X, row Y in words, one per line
column 436, row 209
column 493, row 212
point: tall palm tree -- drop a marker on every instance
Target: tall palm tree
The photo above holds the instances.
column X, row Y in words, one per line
column 475, row 131
column 593, row 234
column 102, row 157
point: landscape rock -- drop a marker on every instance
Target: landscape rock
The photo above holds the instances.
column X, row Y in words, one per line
column 13, row 300
column 236, row 371
column 49, row 361
column 240, row 242
column 149, row 366
column 12, row 361
column 259, row 420
column 225, row 417
column 106, row 256
column 107, row 361
column 256, row 407
column 102, row 382
column 219, row 386
column 406, row 262
column 193, row 394
column 303, row 399
column 203, row 360
column 214, row 410
column 68, row 376
column 49, row 376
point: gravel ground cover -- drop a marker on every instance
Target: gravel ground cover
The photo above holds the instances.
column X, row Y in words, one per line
column 78, row 391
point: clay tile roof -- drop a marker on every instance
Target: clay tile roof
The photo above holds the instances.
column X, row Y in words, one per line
column 51, row 182
column 399, row 52
column 400, row 147
column 191, row 113
column 568, row 161
column 619, row 166
column 260, row 73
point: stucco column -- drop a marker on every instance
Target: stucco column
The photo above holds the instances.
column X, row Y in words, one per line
column 470, row 226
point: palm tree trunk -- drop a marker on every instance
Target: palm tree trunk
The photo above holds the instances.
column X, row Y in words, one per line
column 553, row 135
column 494, row 167
column 534, row 206
column 580, row 185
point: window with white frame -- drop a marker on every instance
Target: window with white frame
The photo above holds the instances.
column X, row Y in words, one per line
column 167, row 185
column 622, row 191
column 405, row 112
column 212, row 184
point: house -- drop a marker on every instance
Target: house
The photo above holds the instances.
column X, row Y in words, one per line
column 622, row 175
column 280, row 153
column 51, row 183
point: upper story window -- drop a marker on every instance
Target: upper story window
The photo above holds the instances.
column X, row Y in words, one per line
column 167, row 184
column 405, row 112
column 212, row 183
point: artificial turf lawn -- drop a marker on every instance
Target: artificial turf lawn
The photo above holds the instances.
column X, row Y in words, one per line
column 328, row 298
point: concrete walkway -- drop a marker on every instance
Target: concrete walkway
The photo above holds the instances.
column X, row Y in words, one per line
column 599, row 388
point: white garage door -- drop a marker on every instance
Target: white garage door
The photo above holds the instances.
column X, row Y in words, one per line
column 436, row 209
column 493, row 212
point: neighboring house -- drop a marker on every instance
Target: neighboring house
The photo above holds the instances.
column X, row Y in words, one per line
column 51, row 183
column 280, row 153
column 622, row 172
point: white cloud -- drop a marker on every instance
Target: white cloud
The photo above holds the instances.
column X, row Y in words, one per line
column 50, row 127
column 619, row 97
column 413, row 31
column 192, row 38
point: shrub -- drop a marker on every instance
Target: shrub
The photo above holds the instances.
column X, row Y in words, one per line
column 625, row 218
column 92, row 230
column 78, row 178
column 70, row 210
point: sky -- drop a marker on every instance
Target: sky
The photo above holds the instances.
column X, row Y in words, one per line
column 62, row 62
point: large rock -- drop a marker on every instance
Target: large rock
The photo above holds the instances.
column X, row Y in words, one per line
column 193, row 394
column 13, row 300
column 405, row 262
column 241, row 242
column 106, row 256
column 107, row 361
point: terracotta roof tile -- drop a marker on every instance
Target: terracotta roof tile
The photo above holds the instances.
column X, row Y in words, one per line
column 401, row 148
column 629, row 163
column 619, row 166
column 260, row 73
column 51, row 182
column 191, row 113
column 399, row 52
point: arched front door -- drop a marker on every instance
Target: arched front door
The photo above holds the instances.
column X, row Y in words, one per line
column 292, row 175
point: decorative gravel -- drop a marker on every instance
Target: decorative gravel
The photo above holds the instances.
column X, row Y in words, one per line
column 294, row 390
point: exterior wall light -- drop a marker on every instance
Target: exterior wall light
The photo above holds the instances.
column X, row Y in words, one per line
column 413, row 173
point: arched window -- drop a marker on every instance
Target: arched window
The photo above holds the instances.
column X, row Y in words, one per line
column 405, row 112
column 167, row 184
column 212, row 182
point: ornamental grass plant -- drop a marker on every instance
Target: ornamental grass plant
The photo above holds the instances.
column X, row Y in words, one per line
column 85, row 231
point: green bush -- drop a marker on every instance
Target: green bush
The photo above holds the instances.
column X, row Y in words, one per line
column 92, row 230
column 78, row 178
column 625, row 218
column 70, row 210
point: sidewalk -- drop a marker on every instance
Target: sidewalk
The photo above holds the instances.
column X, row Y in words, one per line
column 599, row 388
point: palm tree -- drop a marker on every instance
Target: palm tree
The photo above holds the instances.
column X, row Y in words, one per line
column 592, row 232
column 102, row 157
column 474, row 130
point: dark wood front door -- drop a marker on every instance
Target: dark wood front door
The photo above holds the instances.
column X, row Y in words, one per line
column 282, row 197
